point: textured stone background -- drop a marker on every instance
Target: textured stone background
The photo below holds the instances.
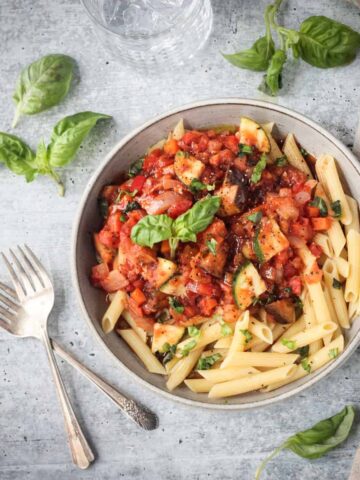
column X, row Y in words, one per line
column 190, row 443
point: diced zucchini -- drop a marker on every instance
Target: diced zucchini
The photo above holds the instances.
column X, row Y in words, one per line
column 164, row 271
column 187, row 167
column 251, row 133
column 269, row 240
column 175, row 286
column 247, row 285
column 163, row 333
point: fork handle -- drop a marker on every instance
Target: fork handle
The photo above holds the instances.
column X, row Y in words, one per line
column 135, row 412
column 80, row 450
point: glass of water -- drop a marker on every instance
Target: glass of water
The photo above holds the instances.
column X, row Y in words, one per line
column 150, row 33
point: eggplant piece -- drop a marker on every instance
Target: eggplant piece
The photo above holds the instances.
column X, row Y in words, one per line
column 214, row 264
column 283, row 310
column 233, row 193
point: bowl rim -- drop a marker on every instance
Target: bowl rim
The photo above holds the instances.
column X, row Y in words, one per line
column 316, row 376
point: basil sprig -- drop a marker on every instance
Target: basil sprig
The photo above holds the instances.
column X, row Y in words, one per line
column 156, row 228
column 320, row 41
column 66, row 139
column 318, row 440
column 42, row 84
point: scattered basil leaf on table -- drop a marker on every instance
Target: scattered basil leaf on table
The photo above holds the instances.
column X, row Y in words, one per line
column 17, row 156
column 255, row 58
column 42, row 84
column 318, row 440
column 272, row 81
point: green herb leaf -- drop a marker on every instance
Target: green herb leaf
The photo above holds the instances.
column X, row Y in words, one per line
column 68, row 135
column 255, row 58
column 211, row 244
column 226, row 330
column 336, row 284
column 152, row 229
column 193, row 331
column 321, row 205
column 303, row 152
column 103, row 205
column 17, row 156
column 318, row 440
column 132, row 206
column 325, row 43
column 258, row 169
column 196, row 219
column 303, row 351
column 256, row 244
column 333, row 352
column 306, row 365
column 136, row 167
column 281, row 161
column 247, row 149
column 255, row 217
column 205, row 363
column 123, row 218
column 196, row 186
column 272, row 81
column 170, row 351
column 42, row 84
column 336, row 208
column 290, row 344
column 176, row 305
column 247, row 335
column 184, row 352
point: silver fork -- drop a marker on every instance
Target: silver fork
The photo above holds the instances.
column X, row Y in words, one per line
column 9, row 320
column 36, row 295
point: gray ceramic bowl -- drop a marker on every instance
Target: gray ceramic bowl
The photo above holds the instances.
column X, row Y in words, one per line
column 200, row 114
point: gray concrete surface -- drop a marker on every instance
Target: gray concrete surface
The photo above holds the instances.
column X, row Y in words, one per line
column 190, row 443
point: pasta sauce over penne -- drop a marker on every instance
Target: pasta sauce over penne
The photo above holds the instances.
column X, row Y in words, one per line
column 231, row 260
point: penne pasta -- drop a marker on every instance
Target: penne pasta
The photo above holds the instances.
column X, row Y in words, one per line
column 218, row 375
column 354, row 207
column 334, row 287
column 260, row 330
column 179, row 130
column 182, row 369
column 261, row 359
column 198, row 385
column 305, row 338
column 114, row 311
column 294, row 155
column 324, row 242
column 129, row 319
column 342, row 266
column 294, row 329
column 239, row 339
column 275, row 151
column 277, row 331
column 207, row 335
column 142, row 351
column 352, row 286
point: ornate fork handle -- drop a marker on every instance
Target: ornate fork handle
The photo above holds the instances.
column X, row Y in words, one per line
column 135, row 412
column 80, row 450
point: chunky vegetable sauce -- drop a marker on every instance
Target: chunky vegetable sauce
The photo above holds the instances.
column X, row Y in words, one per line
column 243, row 253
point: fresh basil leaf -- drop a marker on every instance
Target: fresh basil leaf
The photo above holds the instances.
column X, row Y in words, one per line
column 336, row 284
column 176, row 305
column 255, row 58
column 193, row 331
column 211, row 244
column 247, row 149
column 247, row 335
column 325, row 43
column 272, row 81
column 17, row 156
column 68, row 135
column 196, row 219
column 196, row 186
column 281, row 161
column 43, row 84
column 184, row 352
column 258, row 169
column 151, row 229
column 136, row 167
column 303, row 351
column 255, row 217
column 336, row 208
column 226, row 330
column 306, row 365
column 318, row 440
column 205, row 363
column 132, row 206
column 256, row 245
column 303, row 152
column 169, row 350
column 321, row 205
column 333, row 352
column 290, row 344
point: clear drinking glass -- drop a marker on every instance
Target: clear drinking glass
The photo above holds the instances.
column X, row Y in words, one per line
column 150, row 33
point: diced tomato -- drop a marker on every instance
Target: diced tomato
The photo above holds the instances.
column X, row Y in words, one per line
column 134, row 308
column 180, row 207
column 171, row 147
column 138, row 296
column 114, row 223
column 315, row 249
column 189, row 137
column 110, row 192
column 315, row 274
column 296, row 285
column 232, row 143
column 207, row 306
column 106, row 254
column 107, row 238
column 302, row 229
column 151, row 159
column 320, row 224
column 290, row 270
column 214, row 146
column 99, row 272
column 312, row 211
column 202, row 288
column 137, row 183
column 203, row 143
column 114, row 281
column 165, row 247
